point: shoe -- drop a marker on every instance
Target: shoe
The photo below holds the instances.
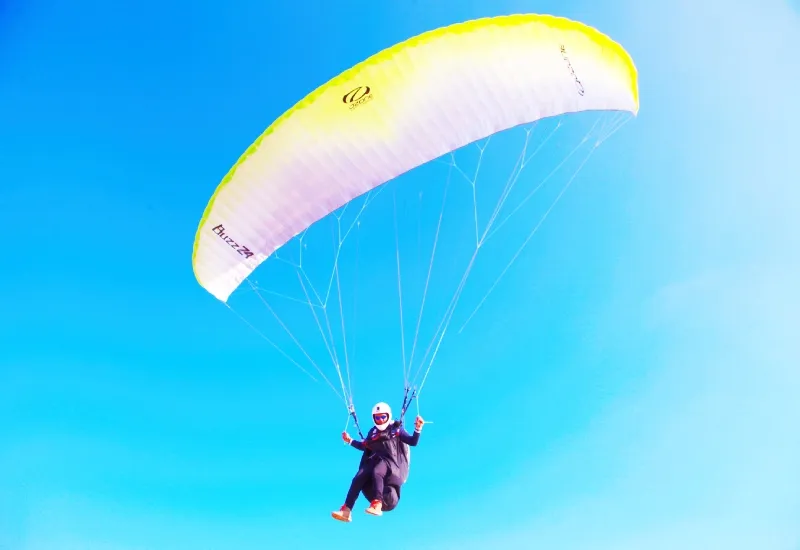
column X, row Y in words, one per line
column 375, row 508
column 342, row 514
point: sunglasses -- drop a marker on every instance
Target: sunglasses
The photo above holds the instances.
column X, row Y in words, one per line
column 381, row 418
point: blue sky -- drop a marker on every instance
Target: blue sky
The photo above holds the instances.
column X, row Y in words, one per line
column 632, row 382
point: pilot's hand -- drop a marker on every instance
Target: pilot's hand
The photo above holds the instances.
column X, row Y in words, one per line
column 346, row 438
column 418, row 423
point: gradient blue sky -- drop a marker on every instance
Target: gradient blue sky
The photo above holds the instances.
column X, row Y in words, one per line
column 632, row 384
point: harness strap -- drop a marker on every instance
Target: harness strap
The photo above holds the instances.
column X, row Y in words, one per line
column 407, row 399
column 352, row 410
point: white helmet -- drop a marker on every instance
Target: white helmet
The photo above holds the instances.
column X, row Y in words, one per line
column 382, row 416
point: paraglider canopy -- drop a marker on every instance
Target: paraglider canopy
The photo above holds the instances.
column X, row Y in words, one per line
column 402, row 107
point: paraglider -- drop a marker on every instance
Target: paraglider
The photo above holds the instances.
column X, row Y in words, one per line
column 397, row 110
column 384, row 463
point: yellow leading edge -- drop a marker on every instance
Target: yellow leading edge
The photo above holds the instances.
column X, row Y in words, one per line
column 401, row 108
